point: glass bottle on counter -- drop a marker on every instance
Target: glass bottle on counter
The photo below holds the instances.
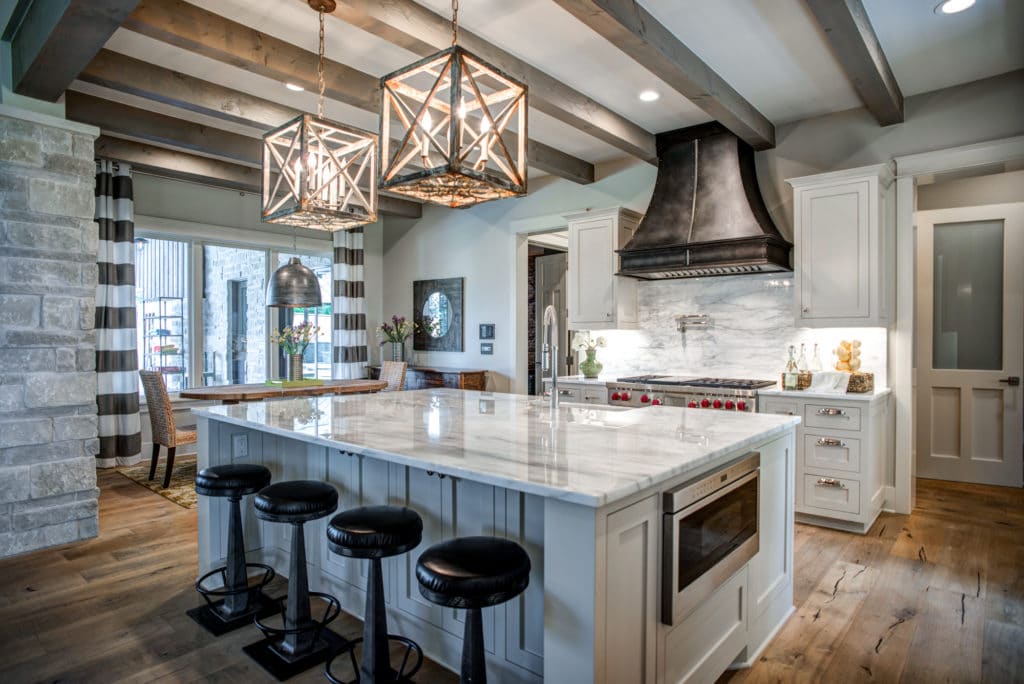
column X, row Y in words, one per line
column 816, row 366
column 789, row 378
column 801, row 361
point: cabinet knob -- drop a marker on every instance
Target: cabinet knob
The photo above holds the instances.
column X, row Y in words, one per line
column 807, row 309
column 608, row 315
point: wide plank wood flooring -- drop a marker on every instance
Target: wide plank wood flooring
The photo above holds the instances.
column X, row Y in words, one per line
column 933, row 597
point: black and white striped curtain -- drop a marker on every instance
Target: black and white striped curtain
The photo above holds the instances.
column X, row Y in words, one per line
column 117, row 361
column 348, row 306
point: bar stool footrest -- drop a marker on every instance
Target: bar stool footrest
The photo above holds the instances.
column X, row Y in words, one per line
column 328, row 644
column 399, row 677
column 212, row 616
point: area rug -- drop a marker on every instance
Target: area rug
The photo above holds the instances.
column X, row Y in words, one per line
column 182, row 490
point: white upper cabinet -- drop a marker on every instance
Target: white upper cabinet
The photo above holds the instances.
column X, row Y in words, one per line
column 599, row 299
column 845, row 247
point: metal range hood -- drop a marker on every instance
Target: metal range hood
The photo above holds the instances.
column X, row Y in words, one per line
column 706, row 217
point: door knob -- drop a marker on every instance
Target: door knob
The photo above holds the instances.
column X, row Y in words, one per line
column 1012, row 381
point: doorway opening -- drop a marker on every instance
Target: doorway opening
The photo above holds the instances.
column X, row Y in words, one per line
column 969, row 325
column 547, row 262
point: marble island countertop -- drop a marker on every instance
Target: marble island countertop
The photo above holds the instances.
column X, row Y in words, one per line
column 588, row 456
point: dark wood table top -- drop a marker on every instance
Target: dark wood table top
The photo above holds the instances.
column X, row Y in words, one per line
column 232, row 394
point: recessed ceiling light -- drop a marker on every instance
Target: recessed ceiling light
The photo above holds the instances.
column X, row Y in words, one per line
column 294, row 86
column 649, row 95
column 953, row 6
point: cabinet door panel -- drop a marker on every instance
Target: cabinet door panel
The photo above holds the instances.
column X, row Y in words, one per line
column 593, row 285
column 524, row 642
column 771, row 568
column 835, row 252
column 360, row 482
column 427, row 496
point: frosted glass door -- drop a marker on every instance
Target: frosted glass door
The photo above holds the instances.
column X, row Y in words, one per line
column 970, row 344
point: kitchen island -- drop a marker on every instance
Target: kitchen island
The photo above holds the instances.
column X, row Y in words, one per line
column 579, row 488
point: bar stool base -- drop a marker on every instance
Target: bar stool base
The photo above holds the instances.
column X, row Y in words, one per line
column 282, row 667
column 209, row 617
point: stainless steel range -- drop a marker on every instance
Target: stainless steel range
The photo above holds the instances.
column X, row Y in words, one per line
column 725, row 394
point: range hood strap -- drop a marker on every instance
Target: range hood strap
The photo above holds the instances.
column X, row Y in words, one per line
column 693, row 201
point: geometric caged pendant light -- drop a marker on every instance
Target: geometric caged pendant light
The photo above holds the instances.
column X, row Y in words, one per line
column 318, row 173
column 453, row 129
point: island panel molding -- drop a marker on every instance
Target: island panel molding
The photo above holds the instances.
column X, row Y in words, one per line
column 438, row 313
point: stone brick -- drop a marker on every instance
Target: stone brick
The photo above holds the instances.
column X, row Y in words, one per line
column 91, row 447
column 62, row 477
column 27, row 360
column 18, row 129
column 83, row 147
column 53, row 515
column 86, row 359
column 45, row 238
column 21, row 311
column 12, row 398
column 67, row 164
column 74, row 427
column 16, row 542
column 60, row 313
column 5, row 521
column 66, row 361
column 90, row 274
column 42, row 272
column 14, row 484
column 56, row 141
column 60, row 389
column 41, row 453
column 87, row 313
column 90, row 239
column 13, row 182
column 63, row 199
column 22, row 151
column 21, row 432
column 47, row 338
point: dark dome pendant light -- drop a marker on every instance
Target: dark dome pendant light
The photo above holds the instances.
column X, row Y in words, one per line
column 294, row 285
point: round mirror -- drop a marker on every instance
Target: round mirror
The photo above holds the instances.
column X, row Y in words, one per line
column 437, row 314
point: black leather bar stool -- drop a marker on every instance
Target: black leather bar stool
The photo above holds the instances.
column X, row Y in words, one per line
column 235, row 604
column 473, row 573
column 303, row 641
column 375, row 532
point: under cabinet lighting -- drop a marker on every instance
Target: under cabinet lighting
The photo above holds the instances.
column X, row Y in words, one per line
column 953, row 6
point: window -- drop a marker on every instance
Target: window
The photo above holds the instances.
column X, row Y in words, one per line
column 162, row 309
column 221, row 336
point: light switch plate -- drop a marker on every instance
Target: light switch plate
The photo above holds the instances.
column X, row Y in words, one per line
column 487, row 348
column 239, row 446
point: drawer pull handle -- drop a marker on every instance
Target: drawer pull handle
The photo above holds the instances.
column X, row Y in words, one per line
column 829, row 442
column 564, row 393
column 830, row 482
column 832, row 412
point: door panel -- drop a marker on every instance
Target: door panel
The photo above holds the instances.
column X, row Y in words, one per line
column 550, row 289
column 970, row 332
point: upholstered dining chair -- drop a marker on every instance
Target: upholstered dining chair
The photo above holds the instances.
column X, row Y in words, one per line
column 393, row 373
column 161, row 421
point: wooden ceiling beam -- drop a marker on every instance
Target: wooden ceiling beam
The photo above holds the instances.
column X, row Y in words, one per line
column 634, row 31
column 54, row 39
column 191, row 28
column 854, row 43
column 419, row 30
column 231, row 159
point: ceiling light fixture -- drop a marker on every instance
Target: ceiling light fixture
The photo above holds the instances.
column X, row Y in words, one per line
column 453, row 129
column 318, row 173
column 953, row 6
column 294, row 87
column 649, row 95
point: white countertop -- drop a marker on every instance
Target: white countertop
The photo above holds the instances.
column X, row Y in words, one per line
column 589, row 456
column 807, row 394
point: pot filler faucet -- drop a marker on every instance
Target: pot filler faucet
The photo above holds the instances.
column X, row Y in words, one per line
column 549, row 352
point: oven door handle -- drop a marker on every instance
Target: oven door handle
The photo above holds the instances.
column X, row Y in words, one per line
column 716, row 495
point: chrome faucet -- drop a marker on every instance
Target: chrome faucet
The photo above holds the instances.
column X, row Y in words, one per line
column 549, row 352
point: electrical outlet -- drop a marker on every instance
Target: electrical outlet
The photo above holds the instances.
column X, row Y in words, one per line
column 239, row 446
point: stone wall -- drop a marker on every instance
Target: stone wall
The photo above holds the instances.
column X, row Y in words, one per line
column 48, row 244
column 223, row 265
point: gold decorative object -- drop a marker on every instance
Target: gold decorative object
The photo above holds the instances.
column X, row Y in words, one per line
column 318, row 173
column 861, row 383
column 453, row 129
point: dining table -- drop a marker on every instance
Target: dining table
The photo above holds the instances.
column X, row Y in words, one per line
column 233, row 394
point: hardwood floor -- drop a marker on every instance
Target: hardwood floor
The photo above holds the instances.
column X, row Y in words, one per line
column 934, row 597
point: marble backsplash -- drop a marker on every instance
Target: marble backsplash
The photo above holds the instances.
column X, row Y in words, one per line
column 751, row 325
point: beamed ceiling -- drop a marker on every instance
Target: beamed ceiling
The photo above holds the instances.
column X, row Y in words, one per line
column 206, row 79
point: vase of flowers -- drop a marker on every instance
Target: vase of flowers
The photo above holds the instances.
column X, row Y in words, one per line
column 294, row 340
column 396, row 332
column 583, row 342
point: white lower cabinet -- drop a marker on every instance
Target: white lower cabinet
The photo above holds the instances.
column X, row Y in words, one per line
column 843, row 456
column 580, row 392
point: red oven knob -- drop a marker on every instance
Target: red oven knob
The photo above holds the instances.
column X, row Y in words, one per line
column 625, row 396
column 717, row 403
column 730, row 404
column 741, row 406
column 704, row 403
column 644, row 398
column 615, row 396
column 656, row 402
column 692, row 404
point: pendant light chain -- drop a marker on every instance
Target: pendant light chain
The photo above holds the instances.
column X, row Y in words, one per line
column 320, row 70
column 455, row 22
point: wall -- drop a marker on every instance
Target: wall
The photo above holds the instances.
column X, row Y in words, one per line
column 997, row 188
column 48, row 274
column 479, row 243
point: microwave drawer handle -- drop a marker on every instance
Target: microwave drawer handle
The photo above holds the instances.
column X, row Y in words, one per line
column 716, row 495
column 829, row 442
column 836, row 412
column 830, row 482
